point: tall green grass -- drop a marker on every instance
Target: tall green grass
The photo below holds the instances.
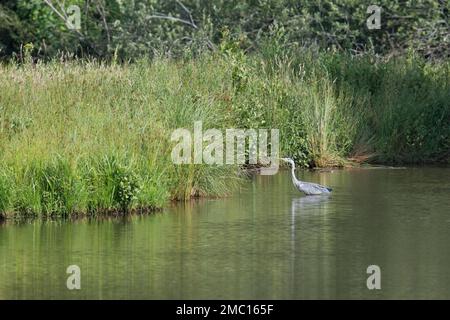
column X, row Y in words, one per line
column 87, row 138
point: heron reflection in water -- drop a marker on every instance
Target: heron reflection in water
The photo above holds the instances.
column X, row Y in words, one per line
column 305, row 205
column 307, row 210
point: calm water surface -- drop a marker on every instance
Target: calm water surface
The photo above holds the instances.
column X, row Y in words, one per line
column 267, row 241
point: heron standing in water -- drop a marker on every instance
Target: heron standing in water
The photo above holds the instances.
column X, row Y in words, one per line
column 307, row 188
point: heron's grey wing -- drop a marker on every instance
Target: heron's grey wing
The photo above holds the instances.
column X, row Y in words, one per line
column 322, row 188
column 307, row 188
column 310, row 188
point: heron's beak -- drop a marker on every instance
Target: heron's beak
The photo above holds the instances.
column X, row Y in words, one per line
column 284, row 159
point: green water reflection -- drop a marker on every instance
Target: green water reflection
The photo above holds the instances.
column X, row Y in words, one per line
column 266, row 241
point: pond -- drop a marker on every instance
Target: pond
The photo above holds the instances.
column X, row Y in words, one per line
column 267, row 241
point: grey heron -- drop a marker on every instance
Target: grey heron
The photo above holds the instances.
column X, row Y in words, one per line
column 307, row 188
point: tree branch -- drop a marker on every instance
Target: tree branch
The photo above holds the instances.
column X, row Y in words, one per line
column 63, row 17
column 189, row 22
column 189, row 14
column 101, row 11
column 174, row 19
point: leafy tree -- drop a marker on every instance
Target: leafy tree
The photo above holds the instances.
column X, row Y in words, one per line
column 129, row 29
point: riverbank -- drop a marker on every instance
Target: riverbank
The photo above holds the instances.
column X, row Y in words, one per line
column 87, row 137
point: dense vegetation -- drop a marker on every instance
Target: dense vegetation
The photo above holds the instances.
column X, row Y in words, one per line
column 131, row 29
column 86, row 116
column 81, row 137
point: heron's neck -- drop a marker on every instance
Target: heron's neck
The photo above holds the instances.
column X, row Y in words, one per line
column 294, row 178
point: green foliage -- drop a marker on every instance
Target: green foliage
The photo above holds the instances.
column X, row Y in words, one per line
column 5, row 192
column 10, row 31
column 112, row 185
column 330, row 106
column 123, row 30
column 44, row 188
column 236, row 59
column 56, row 186
column 400, row 100
column 109, row 150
